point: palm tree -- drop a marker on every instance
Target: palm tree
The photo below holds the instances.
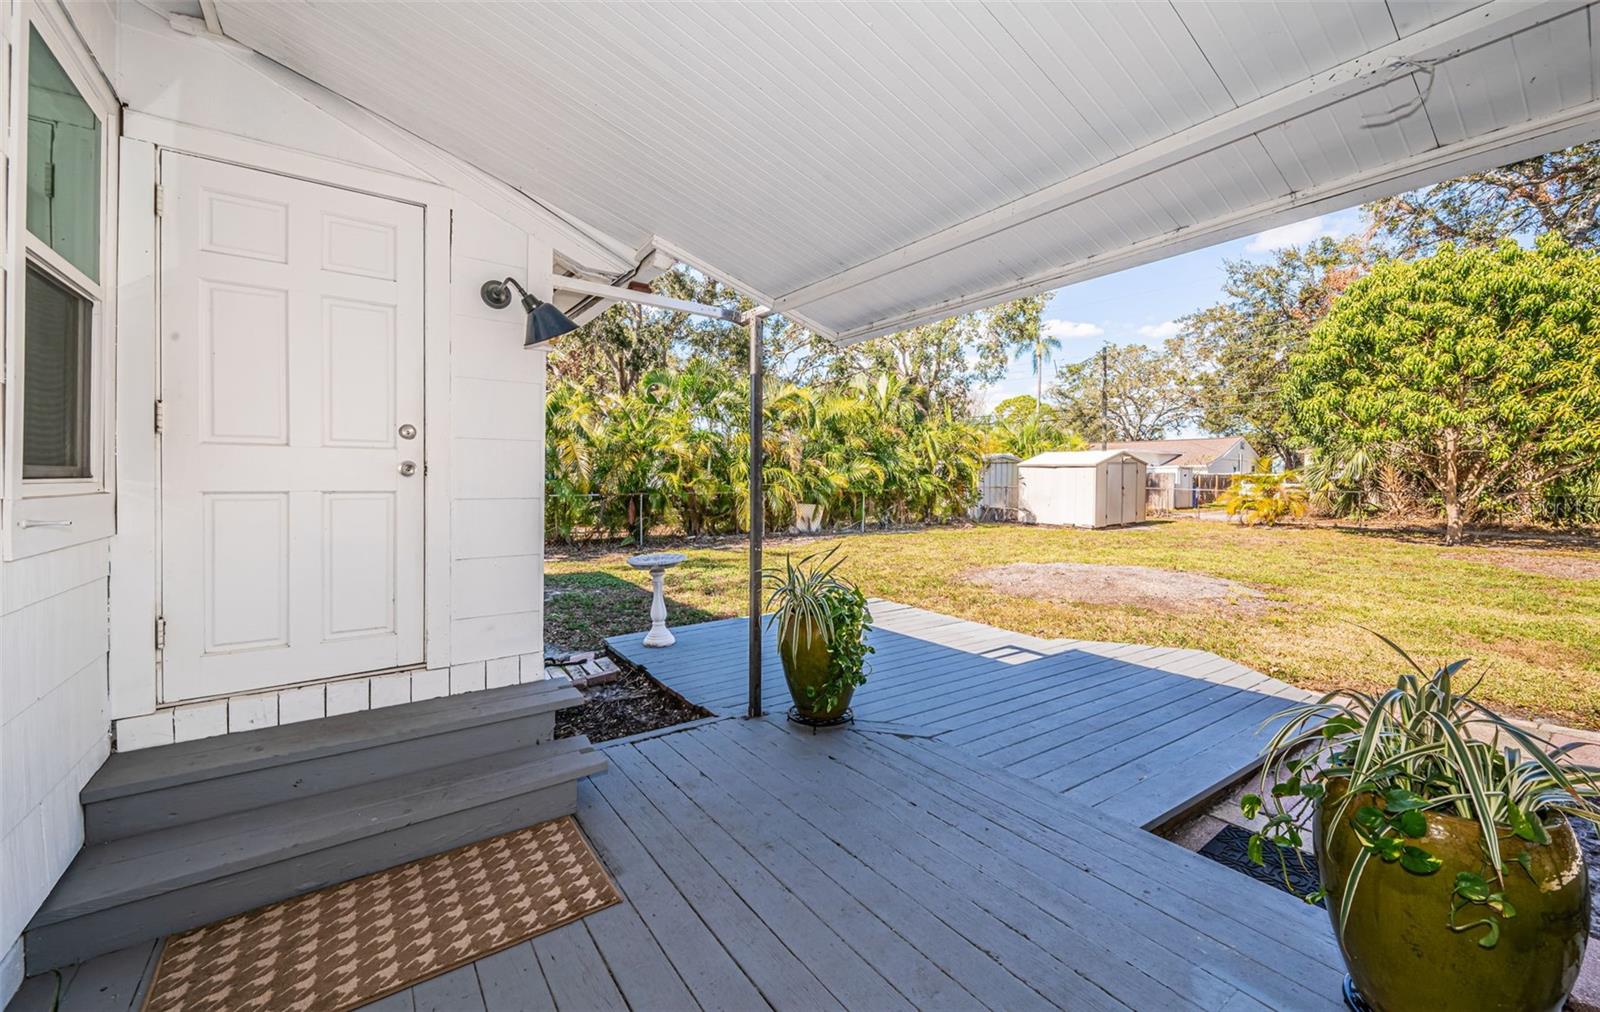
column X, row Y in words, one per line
column 677, row 442
column 1043, row 345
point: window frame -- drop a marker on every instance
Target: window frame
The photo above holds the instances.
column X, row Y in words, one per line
column 66, row 484
column 42, row 514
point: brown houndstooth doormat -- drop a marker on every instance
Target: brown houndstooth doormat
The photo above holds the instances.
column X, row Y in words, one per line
column 355, row 942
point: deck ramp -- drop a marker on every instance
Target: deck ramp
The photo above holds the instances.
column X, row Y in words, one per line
column 1142, row 733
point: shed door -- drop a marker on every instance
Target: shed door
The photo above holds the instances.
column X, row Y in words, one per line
column 291, row 447
column 1133, row 493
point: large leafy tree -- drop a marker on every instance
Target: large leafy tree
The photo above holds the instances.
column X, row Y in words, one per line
column 1146, row 394
column 1558, row 192
column 1475, row 367
column 1018, row 326
column 941, row 365
column 1238, row 350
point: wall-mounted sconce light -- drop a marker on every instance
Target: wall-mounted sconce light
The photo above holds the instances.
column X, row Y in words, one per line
column 544, row 320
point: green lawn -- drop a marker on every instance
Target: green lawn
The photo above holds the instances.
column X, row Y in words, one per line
column 1526, row 610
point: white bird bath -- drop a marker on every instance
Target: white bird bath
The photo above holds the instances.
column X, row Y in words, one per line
column 658, row 563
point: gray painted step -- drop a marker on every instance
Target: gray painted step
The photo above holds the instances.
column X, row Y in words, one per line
column 129, row 890
column 172, row 785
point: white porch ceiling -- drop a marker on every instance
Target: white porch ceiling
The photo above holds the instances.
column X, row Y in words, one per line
column 864, row 167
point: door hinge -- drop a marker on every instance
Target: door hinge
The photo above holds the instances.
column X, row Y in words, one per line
column 161, row 634
column 158, row 200
column 161, row 417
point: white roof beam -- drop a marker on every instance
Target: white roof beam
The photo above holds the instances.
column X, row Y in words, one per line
column 1573, row 126
column 739, row 285
column 1462, row 33
column 618, row 293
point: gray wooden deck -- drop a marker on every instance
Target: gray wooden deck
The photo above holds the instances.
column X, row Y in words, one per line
column 766, row 867
column 1141, row 733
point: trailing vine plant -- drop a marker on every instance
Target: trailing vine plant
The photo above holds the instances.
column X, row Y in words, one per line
column 1384, row 765
column 809, row 594
column 848, row 648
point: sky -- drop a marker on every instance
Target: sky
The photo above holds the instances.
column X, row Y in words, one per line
column 1142, row 304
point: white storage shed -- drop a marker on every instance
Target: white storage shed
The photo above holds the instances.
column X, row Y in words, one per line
column 1083, row 488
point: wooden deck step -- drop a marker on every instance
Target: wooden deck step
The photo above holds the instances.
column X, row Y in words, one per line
column 193, row 781
column 140, row 887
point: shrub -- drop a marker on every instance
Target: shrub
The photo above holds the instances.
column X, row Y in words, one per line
column 1265, row 498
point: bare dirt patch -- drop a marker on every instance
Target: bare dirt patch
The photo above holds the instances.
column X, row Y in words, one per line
column 1131, row 586
column 1543, row 563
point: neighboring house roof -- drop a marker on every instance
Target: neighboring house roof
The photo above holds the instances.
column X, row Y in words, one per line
column 1182, row 452
column 1156, row 458
column 1076, row 458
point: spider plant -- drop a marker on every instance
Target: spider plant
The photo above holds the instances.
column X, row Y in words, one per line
column 1388, row 763
column 802, row 595
column 809, row 598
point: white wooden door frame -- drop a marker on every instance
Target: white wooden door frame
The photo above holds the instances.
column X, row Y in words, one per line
column 136, row 571
column 292, row 503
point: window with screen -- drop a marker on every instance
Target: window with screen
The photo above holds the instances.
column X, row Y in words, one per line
column 61, row 291
column 56, row 394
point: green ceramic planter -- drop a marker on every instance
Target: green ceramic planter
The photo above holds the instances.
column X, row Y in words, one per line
column 1404, row 958
column 805, row 666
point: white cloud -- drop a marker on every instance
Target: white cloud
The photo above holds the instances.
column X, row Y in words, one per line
column 1159, row 331
column 1299, row 233
column 1067, row 330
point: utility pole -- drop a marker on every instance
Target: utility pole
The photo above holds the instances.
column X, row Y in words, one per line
column 1105, row 411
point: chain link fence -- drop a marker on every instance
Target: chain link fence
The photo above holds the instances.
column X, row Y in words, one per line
column 1166, row 492
column 637, row 518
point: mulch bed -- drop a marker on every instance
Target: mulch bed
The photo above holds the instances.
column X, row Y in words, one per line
column 633, row 704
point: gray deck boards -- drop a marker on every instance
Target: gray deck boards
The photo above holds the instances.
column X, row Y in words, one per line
column 765, row 867
column 1140, row 732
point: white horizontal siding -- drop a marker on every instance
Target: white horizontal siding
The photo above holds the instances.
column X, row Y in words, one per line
column 54, row 718
column 497, row 453
column 495, row 528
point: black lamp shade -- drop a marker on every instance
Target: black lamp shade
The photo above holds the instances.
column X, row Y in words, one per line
column 545, row 322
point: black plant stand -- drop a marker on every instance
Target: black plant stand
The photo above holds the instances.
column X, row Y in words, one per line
column 847, row 717
column 1353, row 998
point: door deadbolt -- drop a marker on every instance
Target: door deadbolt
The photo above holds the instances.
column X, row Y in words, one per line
column 408, row 431
column 408, row 468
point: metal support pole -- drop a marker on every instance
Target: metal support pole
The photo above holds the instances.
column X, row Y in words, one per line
column 757, row 511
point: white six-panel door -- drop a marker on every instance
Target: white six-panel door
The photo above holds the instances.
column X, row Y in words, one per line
column 291, row 430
